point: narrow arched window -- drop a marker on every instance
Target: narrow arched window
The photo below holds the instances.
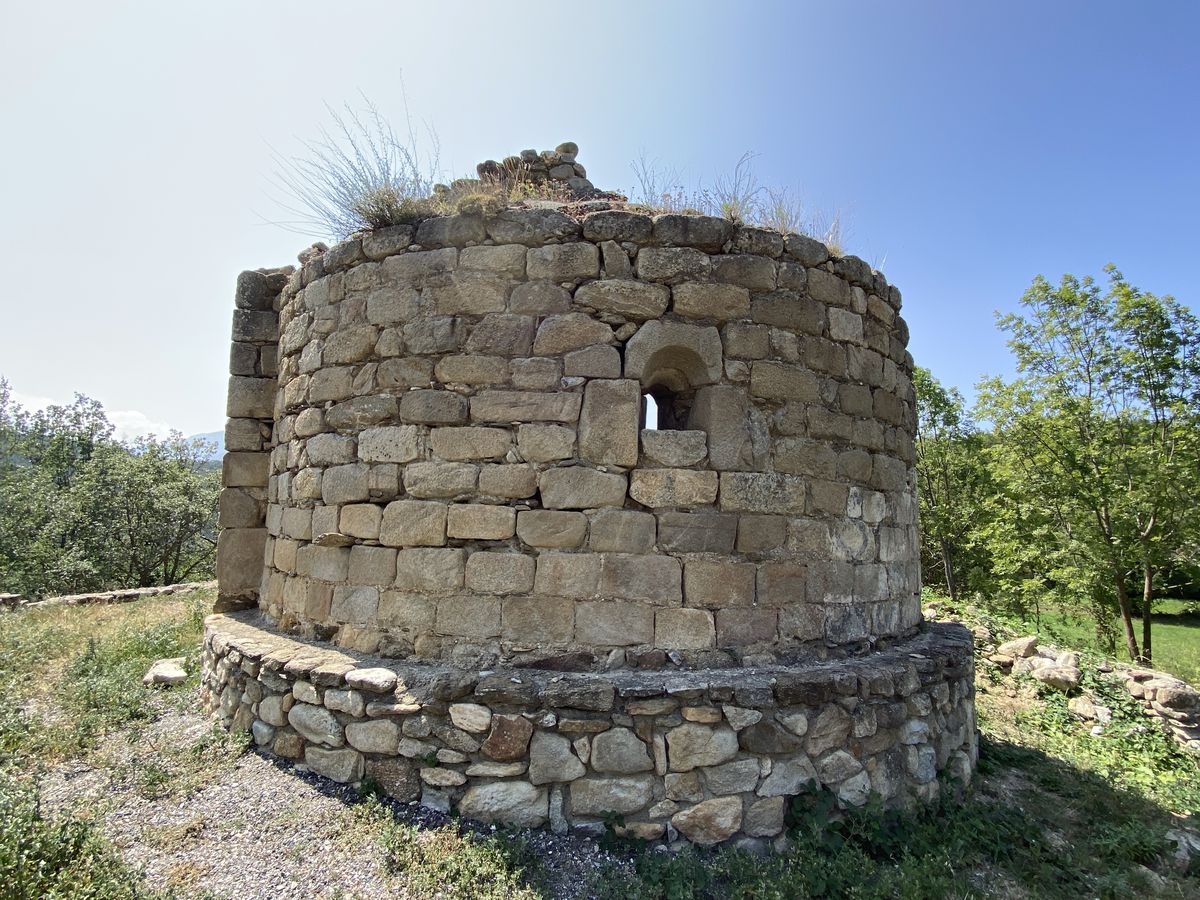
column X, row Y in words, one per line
column 666, row 409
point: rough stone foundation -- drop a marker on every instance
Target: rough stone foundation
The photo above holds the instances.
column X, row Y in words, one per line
column 706, row 756
column 437, row 453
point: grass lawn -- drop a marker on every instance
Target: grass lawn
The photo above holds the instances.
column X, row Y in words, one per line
column 1054, row 811
column 1175, row 631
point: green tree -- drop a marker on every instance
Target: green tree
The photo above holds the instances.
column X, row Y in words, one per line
column 40, row 454
column 81, row 511
column 952, row 483
column 1096, row 444
column 144, row 512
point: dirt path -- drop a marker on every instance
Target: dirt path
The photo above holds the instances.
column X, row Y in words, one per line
column 200, row 818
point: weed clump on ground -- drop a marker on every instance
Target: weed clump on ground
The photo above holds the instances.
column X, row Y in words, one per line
column 68, row 676
column 452, row 863
column 41, row 858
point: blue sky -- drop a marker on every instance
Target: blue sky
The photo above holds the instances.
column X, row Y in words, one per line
column 968, row 148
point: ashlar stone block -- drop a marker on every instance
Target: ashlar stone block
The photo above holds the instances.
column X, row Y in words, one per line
column 723, row 413
column 357, row 604
column 578, row 487
column 563, row 262
column 707, row 532
column 597, row 361
column 761, row 534
column 504, row 335
column 674, row 449
column 372, row 565
column 480, row 521
column 781, row 381
column 428, row 480
column 654, row 579
column 509, row 482
column 783, row 583
column 525, row 406
column 567, row 574
column 545, row 443
column 250, row 398
column 552, row 529
column 672, row 264
column 636, row 300
column 716, row 584
column 684, row 629
column 471, row 369
column 361, row 520
column 324, row 563
column 360, row 412
column 699, row 300
column 470, row 617
column 560, row 334
column 430, row 407
column 544, row 621
column 504, row 259
column 747, row 270
column 614, row 623
column 621, row 531
column 413, row 523
column 539, row 298
column 708, row 233
column 245, row 469
column 609, row 421
column 430, row 570
column 401, row 443
column 659, row 488
column 467, row 443
column 741, row 627
column 345, row 484
column 757, row 492
column 499, row 573
column 694, row 351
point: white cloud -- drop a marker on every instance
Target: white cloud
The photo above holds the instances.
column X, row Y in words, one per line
column 127, row 423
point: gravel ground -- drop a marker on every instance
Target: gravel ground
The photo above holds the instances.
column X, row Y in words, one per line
column 248, row 827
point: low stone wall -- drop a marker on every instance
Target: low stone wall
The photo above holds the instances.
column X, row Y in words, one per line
column 706, row 756
column 1171, row 701
column 121, row 595
column 1168, row 700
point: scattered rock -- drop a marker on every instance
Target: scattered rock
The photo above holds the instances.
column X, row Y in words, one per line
column 1061, row 678
column 1021, row 647
column 1086, row 709
column 166, row 671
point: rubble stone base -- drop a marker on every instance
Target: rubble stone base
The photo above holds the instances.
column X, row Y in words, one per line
column 705, row 756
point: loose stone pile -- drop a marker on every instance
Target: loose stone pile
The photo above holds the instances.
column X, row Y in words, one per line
column 703, row 756
column 1165, row 698
column 555, row 167
column 437, row 452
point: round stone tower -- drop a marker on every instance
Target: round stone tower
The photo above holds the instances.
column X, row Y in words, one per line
column 441, row 473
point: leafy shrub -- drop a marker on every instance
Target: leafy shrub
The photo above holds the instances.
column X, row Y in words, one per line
column 41, row 858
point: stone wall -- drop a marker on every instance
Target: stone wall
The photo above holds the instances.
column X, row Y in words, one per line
column 703, row 756
column 457, row 469
column 250, row 406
